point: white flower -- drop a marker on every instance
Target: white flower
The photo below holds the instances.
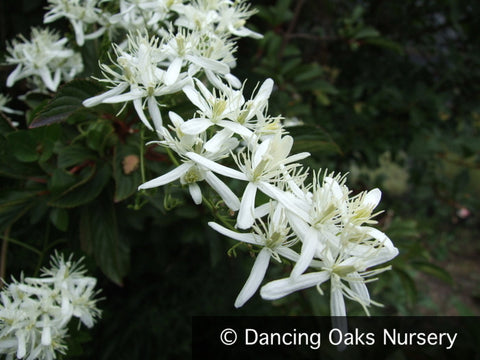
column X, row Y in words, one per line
column 347, row 274
column 44, row 59
column 190, row 172
column 33, row 316
column 140, row 79
column 275, row 239
column 268, row 162
column 3, row 101
column 80, row 13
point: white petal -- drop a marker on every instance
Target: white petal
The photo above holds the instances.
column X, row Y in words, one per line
column 337, row 303
column 195, row 126
column 214, row 144
column 137, row 103
column 233, row 81
column 255, row 278
column 227, row 195
column 14, row 76
column 283, row 287
column 205, row 63
column 154, row 112
column 195, row 192
column 168, row 177
column 360, row 289
column 135, row 94
column 309, row 246
column 195, row 98
column 219, row 169
column 176, row 119
column 245, row 218
column 173, row 71
column 99, row 98
column 236, row 128
column 243, row 237
column 373, row 197
column 46, row 336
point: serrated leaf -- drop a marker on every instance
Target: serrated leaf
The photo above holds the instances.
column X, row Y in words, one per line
column 100, row 236
column 68, row 99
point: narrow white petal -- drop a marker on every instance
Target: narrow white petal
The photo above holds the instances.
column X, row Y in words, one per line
column 205, row 63
column 46, row 336
column 245, row 218
column 219, row 169
column 243, row 237
column 255, row 278
column 373, row 197
column 176, row 119
column 168, row 177
column 233, row 81
column 214, row 144
column 154, row 112
column 236, row 128
column 137, row 103
column 360, row 289
column 173, row 71
column 337, row 303
column 286, row 199
column 47, row 78
column 309, row 246
column 195, row 126
column 129, row 96
column 227, row 195
column 14, row 76
column 279, row 288
column 195, row 192
column 99, row 98
column 195, row 98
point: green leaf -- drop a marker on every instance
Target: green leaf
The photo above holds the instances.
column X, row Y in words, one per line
column 33, row 144
column 59, row 218
column 71, row 155
column 126, row 171
column 86, row 189
column 408, row 285
column 68, row 99
column 434, row 270
column 13, row 205
column 312, row 139
column 367, row 32
column 100, row 236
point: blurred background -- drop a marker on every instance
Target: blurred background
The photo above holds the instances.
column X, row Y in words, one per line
column 386, row 91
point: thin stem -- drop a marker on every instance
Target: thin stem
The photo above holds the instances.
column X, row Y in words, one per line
column 3, row 259
column 142, row 153
column 18, row 242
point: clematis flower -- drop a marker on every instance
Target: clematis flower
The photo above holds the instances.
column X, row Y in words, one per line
column 267, row 163
column 81, row 14
column 348, row 276
column 44, row 59
column 191, row 172
column 140, row 79
column 274, row 237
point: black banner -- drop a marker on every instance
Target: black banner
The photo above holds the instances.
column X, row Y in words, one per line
column 350, row 338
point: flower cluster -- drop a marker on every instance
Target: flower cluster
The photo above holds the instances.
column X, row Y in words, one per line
column 45, row 60
column 35, row 312
column 318, row 225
